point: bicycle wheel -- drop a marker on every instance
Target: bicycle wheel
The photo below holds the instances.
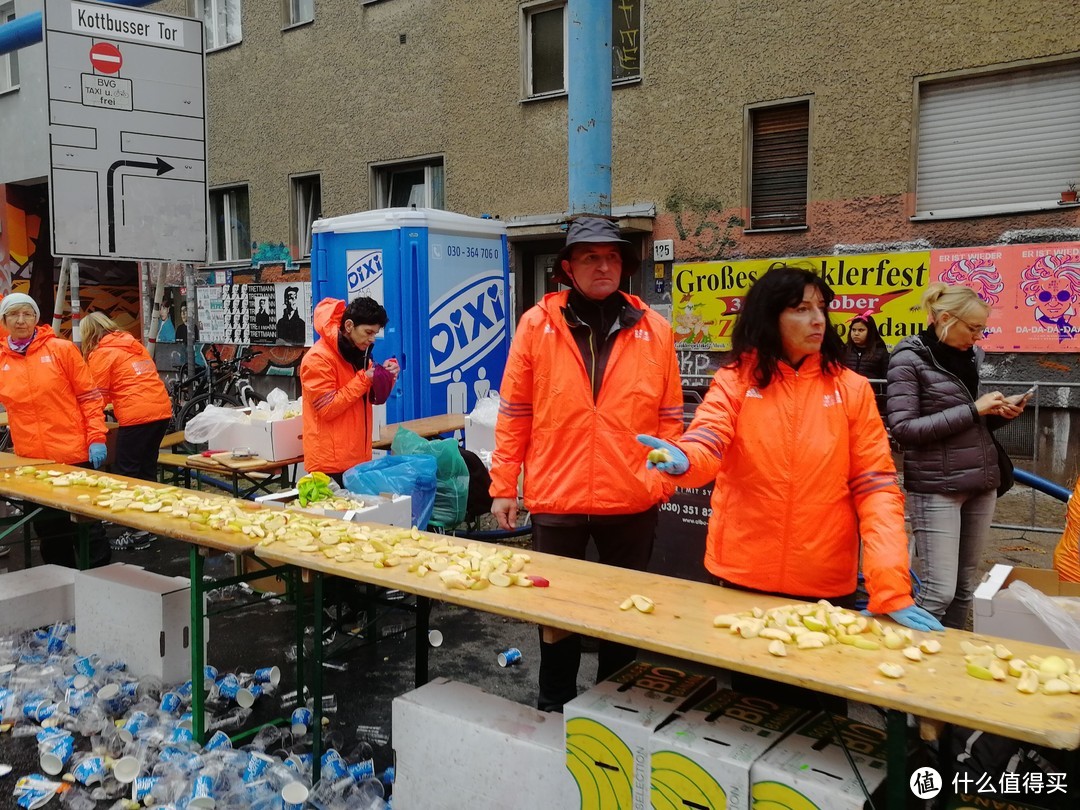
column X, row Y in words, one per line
column 198, row 405
column 249, row 397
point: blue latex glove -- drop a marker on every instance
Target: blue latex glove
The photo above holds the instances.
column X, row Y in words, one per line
column 97, row 454
column 916, row 618
column 678, row 464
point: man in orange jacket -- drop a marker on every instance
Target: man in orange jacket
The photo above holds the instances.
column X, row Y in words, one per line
column 588, row 370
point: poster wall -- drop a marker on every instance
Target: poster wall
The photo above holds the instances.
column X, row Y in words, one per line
column 258, row 314
column 1033, row 291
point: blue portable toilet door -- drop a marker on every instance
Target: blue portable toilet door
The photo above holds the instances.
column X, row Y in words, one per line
column 367, row 263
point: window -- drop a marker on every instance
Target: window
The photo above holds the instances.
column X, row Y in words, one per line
column 779, row 161
column 997, row 142
column 9, row 62
column 299, row 11
column 546, row 47
column 306, row 208
column 230, row 224
column 402, row 185
column 221, row 20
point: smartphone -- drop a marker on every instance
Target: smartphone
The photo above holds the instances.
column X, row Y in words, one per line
column 1021, row 399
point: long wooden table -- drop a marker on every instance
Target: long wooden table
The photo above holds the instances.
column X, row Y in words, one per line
column 584, row 597
column 427, row 427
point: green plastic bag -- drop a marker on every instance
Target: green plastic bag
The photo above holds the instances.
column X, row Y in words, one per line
column 452, row 476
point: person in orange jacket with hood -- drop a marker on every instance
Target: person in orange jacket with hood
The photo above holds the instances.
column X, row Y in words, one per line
column 589, row 368
column 339, row 385
column 127, row 377
column 54, row 411
column 804, row 475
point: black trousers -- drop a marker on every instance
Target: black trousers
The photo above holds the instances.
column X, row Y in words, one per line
column 137, row 449
column 625, row 541
column 57, row 535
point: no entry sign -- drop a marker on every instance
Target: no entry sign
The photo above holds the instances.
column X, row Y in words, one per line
column 105, row 58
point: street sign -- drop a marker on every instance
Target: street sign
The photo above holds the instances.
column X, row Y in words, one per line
column 127, row 133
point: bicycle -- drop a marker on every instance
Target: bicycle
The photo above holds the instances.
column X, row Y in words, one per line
column 225, row 383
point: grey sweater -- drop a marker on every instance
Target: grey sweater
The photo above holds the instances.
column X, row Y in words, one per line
column 930, row 413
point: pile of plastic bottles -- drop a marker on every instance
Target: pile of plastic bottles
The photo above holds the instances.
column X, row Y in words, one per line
column 105, row 735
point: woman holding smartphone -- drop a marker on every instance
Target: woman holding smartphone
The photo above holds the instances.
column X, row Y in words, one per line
column 951, row 474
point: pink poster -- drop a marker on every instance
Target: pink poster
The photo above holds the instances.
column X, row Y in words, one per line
column 1034, row 291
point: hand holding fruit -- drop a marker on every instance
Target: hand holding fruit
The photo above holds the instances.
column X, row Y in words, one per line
column 664, row 456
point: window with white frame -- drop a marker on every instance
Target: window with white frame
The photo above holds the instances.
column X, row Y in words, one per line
column 221, row 21
column 997, row 142
column 306, row 208
column 230, row 224
column 404, row 185
column 299, row 11
column 779, row 164
column 546, row 47
column 9, row 62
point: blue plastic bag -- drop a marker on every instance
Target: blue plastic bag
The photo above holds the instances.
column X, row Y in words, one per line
column 402, row 475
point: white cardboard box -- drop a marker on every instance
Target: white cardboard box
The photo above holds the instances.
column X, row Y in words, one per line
column 702, row 758
column 141, row 617
column 808, row 767
column 35, row 597
column 999, row 613
column 389, row 510
column 275, row 441
column 459, row 748
column 478, row 437
column 608, row 730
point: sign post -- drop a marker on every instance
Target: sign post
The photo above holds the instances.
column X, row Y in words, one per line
column 127, row 133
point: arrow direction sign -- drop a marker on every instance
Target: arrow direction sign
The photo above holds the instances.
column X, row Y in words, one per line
column 127, row 133
column 161, row 166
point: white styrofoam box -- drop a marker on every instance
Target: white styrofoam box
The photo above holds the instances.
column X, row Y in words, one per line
column 478, row 437
column 457, row 747
column 36, row 597
column 136, row 615
column 389, row 510
column 278, row 440
column 378, row 421
column 998, row 612
column 808, row 768
column 702, row 758
column 608, row 730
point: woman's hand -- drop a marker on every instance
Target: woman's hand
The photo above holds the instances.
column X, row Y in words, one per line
column 669, row 458
column 392, row 366
column 991, row 403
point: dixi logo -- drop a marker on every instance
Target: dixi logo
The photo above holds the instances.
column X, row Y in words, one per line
column 466, row 324
column 365, row 270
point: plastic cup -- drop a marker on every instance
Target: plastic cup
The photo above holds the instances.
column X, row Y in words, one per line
column 89, row 769
column 170, row 702
column 126, row 769
column 202, row 792
column 510, row 657
column 301, row 720
column 219, row 739
column 293, row 796
column 55, row 752
column 134, row 724
column 270, row 675
column 435, row 638
column 256, row 765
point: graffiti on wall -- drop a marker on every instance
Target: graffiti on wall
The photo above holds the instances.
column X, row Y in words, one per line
column 701, row 225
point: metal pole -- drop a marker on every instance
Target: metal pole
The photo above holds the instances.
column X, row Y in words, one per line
column 61, row 291
column 155, row 323
column 29, row 28
column 76, row 305
column 589, row 106
column 189, row 348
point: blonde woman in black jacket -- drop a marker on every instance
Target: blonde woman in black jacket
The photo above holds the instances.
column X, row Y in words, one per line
column 935, row 413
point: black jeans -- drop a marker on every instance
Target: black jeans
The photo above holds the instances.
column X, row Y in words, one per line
column 625, row 541
column 57, row 535
column 137, row 449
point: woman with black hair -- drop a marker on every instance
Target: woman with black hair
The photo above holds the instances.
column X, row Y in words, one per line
column 866, row 353
column 803, row 471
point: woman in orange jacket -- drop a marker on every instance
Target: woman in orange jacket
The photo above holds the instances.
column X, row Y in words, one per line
column 127, row 377
column 54, row 411
column 803, row 471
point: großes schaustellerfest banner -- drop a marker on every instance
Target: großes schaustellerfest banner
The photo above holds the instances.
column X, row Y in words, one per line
column 1033, row 291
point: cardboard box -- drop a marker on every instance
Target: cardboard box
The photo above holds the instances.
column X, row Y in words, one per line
column 808, row 767
column 703, row 758
column 459, row 748
column 141, row 617
column 998, row 612
column 274, row 441
column 36, row 597
column 608, row 730
column 389, row 510
column 479, row 438
column 378, row 421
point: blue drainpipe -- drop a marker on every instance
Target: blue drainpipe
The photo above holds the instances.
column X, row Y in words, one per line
column 589, row 106
column 29, row 29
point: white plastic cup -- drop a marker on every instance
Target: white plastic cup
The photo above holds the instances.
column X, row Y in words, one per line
column 126, row 769
column 270, row 675
column 55, row 752
column 435, row 638
column 510, row 657
column 293, row 796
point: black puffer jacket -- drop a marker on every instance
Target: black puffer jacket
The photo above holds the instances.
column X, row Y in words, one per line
column 930, row 413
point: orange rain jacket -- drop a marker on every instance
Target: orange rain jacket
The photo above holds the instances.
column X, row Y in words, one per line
column 580, row 456
column 54, row 408
column 802, row 469
column 1067, row 552
column 337, row 409
column 127, row 377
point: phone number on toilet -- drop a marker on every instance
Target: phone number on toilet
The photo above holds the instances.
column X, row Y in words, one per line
column 686, row 509
column 470, row 252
